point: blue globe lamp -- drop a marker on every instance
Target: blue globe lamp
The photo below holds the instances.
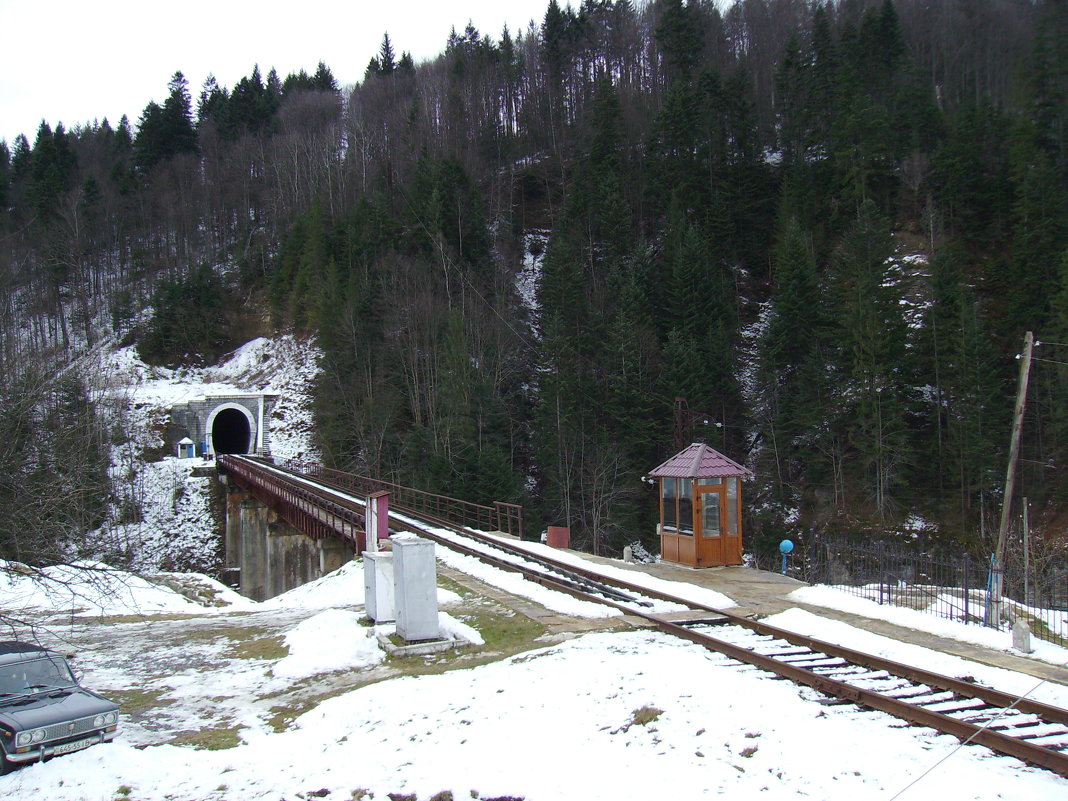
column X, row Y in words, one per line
column 785, row 548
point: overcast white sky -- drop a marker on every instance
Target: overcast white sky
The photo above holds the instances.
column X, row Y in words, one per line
column 73, row 61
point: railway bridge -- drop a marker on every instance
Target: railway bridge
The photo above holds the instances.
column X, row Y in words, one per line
column 291, row 523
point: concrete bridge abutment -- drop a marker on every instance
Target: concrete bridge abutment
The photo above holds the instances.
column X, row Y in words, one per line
column 268, row 554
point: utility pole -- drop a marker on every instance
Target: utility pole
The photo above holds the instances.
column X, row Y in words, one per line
column 683, row 424
column 997, row 565
column 684, row 420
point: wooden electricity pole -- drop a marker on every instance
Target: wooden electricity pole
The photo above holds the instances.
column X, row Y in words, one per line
column 997, row 566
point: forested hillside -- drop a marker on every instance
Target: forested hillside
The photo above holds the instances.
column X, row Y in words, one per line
column 827, row 226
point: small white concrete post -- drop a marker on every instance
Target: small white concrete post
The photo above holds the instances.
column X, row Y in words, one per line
column 376, row 520
column 370, row 525
column 378, row 590
column 1021, row 636
column 416, row 589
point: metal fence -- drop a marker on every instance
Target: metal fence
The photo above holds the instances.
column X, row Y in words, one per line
column 505, row 517
column 951, row 588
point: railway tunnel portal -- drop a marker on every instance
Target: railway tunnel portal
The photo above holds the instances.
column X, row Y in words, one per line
column 237, row 423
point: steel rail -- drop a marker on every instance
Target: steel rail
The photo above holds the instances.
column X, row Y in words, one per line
column 1031, row 753
column 947, row 683
column 1042, row 756
column 1056, row 761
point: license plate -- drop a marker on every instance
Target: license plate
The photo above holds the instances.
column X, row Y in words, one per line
column 77, row 745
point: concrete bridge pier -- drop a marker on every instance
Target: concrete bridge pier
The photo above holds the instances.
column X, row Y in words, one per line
column 270, row 555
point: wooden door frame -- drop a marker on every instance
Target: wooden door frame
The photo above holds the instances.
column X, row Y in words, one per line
column 710, row 550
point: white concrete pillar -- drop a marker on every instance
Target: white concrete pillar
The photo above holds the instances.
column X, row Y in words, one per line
column 378, row 586
column 416, row 589
column 1021, row 636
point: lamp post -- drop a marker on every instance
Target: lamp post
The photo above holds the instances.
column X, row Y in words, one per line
column 786, row 547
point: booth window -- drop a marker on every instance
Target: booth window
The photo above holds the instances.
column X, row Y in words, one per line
column 669, row 503
column 685, row 506
column 676, row 504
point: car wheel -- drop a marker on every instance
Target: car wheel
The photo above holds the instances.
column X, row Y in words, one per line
column 5, row 766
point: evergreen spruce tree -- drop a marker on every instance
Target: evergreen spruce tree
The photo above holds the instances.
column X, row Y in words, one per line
column 179, row 132
column 679, row 34
column 212, row 102
column 52, row 167
column 21, row 154
column 323, row 79
column 1039, row 231
column 792, row 81
column 971, row 175
column 871, row 336
column 387, row 62
column 165, row 131
column 956, row 431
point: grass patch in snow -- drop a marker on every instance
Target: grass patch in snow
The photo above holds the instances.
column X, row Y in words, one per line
column 272, row 647
column 642, row 716
column 506, row 633
column 245, row 642
column 454, row 586
column 216, row 738
column 162, row 616
column 135, row 702
column 282, row 717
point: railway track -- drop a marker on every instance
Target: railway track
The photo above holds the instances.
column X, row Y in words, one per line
column 1033, row 732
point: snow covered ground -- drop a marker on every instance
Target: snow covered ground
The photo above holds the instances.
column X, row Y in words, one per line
column 604, row 715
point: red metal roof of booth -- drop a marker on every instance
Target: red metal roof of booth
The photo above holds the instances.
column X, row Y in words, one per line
column 699, row 461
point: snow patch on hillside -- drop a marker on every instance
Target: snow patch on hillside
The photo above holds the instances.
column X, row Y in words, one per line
column 353, row 647
column 535, row 243
column 85, row 587
column 161, row 517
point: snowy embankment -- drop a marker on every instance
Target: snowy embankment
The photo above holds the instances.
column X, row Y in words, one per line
column 162, row 516
column 636, row 715
column 600, row 716
column 1000, row 640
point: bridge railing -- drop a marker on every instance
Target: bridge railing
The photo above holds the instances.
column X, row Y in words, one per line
column 309, row 513
column 505, row 517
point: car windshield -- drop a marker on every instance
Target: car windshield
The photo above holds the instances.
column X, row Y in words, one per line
column 35, row 675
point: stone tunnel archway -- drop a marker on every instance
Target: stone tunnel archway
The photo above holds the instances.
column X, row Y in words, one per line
column 231, row 428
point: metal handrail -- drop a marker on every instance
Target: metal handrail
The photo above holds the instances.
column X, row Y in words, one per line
column 502, row 516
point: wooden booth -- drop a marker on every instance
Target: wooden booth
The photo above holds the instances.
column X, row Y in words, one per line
column 700, row 508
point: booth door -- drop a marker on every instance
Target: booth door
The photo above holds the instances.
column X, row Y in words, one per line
column 711, row 526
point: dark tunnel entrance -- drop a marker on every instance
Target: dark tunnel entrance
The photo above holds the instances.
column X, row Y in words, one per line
column 230, row 432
